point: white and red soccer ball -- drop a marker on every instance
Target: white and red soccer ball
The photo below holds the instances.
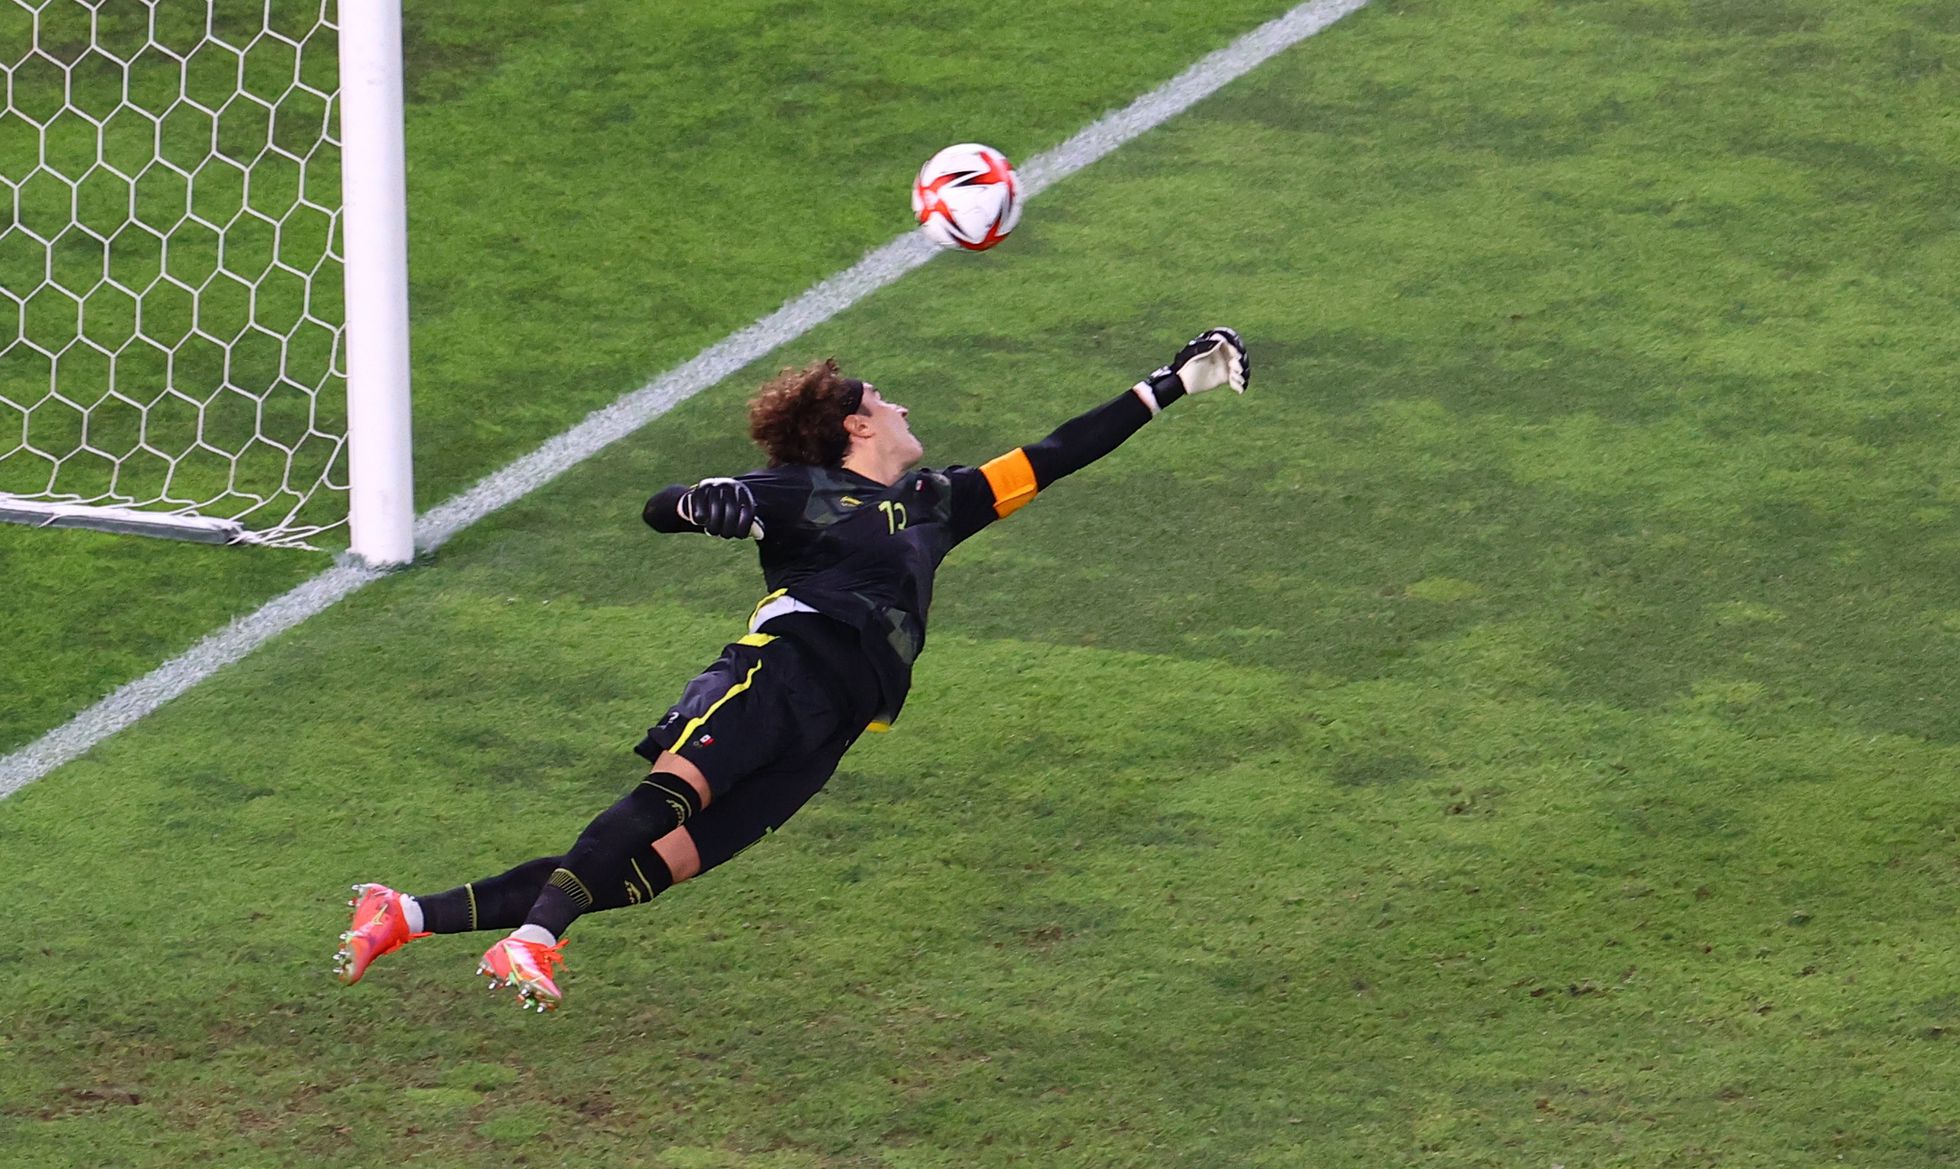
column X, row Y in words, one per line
column 967, row 196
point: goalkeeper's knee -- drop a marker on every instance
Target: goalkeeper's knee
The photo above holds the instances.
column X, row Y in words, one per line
column 613, row 851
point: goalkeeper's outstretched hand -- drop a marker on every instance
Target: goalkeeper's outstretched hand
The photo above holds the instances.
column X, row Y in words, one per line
column 1214, row 358
column 721, row 507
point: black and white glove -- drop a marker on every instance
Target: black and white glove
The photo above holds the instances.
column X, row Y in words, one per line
column 721, row 507
column 1214, row 358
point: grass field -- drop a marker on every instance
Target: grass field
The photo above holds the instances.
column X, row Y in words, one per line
column 1518, row 733
column 584, row 214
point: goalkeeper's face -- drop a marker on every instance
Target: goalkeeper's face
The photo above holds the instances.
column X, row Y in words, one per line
column 885, row 430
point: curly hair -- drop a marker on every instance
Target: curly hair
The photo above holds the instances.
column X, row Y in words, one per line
column 797, row 417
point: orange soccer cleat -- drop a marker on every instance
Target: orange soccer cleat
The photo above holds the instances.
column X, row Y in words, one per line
column 380, row 927
column 514, row 962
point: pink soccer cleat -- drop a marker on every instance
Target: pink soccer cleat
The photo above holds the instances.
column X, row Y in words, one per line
column 514, row 962
column 379, row 928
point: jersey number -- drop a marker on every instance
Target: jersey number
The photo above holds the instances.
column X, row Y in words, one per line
column 894, row 515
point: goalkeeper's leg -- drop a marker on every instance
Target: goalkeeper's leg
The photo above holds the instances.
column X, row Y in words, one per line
column 386, row 920
column 609, row 865
column 503, row 902
column 527, row 959
column 756, row 706
column 619, row 843
column 613, row 863
column 614, row 853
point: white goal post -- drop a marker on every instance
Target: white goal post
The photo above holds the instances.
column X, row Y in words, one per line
column 203, row 271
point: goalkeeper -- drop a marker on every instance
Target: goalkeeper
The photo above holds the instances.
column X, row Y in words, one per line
column 849, row 535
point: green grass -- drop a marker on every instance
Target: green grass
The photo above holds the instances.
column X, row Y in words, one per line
column 585, row 213
column 1514, row 734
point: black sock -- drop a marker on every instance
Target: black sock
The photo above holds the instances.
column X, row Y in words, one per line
column 494, row 903
column 613, row 863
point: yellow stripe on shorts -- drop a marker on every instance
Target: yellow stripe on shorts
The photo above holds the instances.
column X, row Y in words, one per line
column 687, row 732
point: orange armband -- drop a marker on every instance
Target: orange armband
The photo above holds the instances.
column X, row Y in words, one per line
column 1012, row 478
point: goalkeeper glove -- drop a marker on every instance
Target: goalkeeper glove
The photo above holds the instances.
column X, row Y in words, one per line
column 1214, row 358
column 721, row 507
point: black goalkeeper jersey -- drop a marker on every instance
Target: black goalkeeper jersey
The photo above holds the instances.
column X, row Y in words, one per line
column 864, row 555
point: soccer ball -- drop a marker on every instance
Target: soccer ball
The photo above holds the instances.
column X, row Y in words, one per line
column 967, row 196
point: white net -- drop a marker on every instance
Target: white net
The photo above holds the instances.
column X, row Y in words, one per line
column 170, row 269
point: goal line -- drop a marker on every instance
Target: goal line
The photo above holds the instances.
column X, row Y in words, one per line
column 879, row 268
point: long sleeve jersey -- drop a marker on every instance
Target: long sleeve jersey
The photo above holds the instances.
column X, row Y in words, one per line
column 864, row 554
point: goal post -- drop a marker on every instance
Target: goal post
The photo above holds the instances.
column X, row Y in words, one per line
column 203, row 271
column 374, row 184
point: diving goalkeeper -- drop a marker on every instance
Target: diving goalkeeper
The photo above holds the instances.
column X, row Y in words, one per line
column 850, row 534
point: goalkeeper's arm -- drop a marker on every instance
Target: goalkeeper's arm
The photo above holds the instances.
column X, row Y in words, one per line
column 720, row 507
column 1214, row 358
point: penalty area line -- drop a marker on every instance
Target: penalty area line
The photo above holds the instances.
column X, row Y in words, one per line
column 879, row 268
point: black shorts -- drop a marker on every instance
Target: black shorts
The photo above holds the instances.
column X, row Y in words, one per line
column 767, row 724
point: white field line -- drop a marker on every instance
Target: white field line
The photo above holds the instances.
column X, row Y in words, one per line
column 603, row 427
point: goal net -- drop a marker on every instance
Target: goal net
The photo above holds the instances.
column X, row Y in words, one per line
column 172, row 308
